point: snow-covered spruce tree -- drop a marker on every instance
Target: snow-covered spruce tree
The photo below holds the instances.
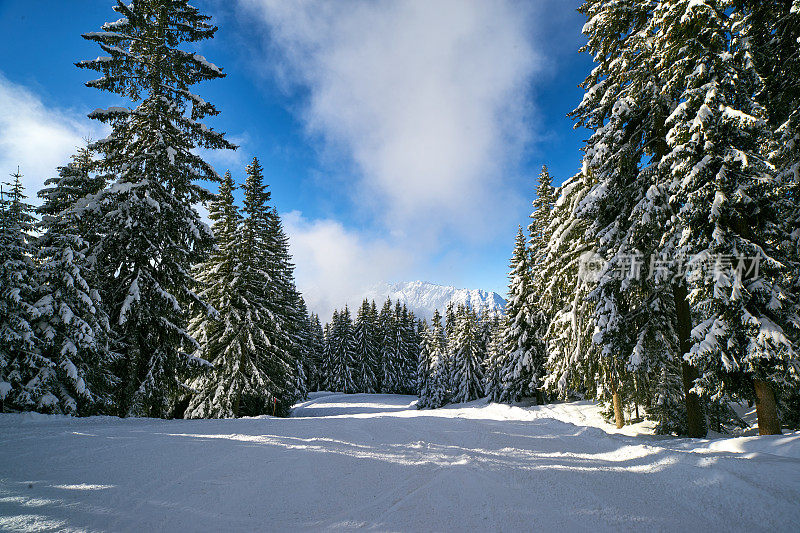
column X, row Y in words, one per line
column 26, row 377
column 433, row 392
column 76, row 184
column 336, row 370
column 304, row 349
column 366, row 351
column 377, row 343
column 151, row 233
column 666, row 405
column 420, row 326
column 424, row 357
column 400, row 349
column 486, row 324
column 627, row 209
column 267, row 271
column 408, row 347
column 71, row 327
column 572, row 363
column 496, row 357
column 425, row 374
column 317, row 347
column 326, row 367
column 332, row 368
column 539, row 233
column 227, row 339
column 392, row 357
column 725, row 198
column 467, row 358
column 342, row 377
column 284, row 302
column 255, row 371
column 770, row 31
column 448, row 365
column 522, row 368
column 423, row 362
column 539, row 228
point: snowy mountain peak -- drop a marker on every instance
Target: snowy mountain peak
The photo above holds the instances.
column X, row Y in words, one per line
column 423, row 298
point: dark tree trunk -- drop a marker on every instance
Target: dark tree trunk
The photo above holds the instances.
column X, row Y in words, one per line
column 619, row 418
column 766, row 409
column 695, row 420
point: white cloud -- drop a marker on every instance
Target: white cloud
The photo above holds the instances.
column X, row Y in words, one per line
column 429, row 99
column 336, row 265
column 37, row 138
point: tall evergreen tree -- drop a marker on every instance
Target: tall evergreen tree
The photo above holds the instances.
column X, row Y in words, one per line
column 326, row 369
column 643, row 316
column 467, row 358
column 769, row 30
column 726, row 204
column 408, row 349
column 522, row 368
column 25, row 376
column 317, row 347
column 72, row 327
column 377, row 343
column 392, row 357
column 151, row 233
column 265, row 275
column 285, row 305
column 236, row 340
column 450, row 336
column 342, row 377
column 539, row 232
column 433, row 392
column 495, row 360
column 304, row 349
column 366, row 350
column 424, row 360
column 572, row 361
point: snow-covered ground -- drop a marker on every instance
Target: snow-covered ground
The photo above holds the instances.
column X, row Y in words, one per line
column 374, row 461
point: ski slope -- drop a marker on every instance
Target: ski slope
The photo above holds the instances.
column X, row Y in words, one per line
column 374, row 461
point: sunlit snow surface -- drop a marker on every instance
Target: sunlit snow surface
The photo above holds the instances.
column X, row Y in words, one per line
column 374, row 461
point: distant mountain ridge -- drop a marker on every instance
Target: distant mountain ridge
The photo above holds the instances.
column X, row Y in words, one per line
column 424, row 298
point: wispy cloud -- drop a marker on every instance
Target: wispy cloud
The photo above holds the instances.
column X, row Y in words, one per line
column 335, row 265
column 431, row 103
column 37, row 138
column 430, row 100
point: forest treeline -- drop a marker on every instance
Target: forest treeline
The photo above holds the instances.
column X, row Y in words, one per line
column 115, row 297
column 391, row 351
column 662, row 278
column 665, row 274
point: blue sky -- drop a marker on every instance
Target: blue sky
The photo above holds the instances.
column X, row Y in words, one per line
column 401, row 140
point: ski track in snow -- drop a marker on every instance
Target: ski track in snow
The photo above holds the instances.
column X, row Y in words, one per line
column 374, row 461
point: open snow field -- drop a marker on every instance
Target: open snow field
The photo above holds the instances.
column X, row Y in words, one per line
column 374, row 461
